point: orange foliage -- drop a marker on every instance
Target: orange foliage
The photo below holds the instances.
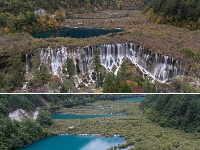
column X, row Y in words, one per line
column 6, row 29
column 132, row 84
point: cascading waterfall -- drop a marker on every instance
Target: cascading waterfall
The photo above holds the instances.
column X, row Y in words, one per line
column 85, row 56
column 85, row 59
column 55, row 59
column 75, row 63
column 158, row 67
column 27, row 63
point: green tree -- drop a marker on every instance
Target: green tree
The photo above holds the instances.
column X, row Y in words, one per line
column 176, row 111
column 98, row 68
column 44, row 118
column 70, row 67
column 60, row 16
column 16, row 68
column 43, row 75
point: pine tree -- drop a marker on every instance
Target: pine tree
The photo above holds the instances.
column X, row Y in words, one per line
column 98, row 68
column 70, row 67
column 43, row 75
column 16, row 68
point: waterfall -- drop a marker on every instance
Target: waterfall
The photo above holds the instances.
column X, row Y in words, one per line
column 160, row 68
column 55, row 59
column 75, row 63
column 27, row 63
column 85, row 56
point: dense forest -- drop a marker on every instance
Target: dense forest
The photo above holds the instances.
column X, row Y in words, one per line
column 14, row 134
column 177, row 111
column 22, row 15
column 183, row 13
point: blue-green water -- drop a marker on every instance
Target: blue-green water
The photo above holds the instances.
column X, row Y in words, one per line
column 75, row 32
column 71, row 142
column 132, row 99
column 71, row 116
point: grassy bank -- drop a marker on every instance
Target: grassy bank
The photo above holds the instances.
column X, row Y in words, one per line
column 135, row 127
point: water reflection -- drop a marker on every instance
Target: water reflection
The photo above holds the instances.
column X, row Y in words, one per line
column 100, row 144
column 76, row 32
column 79, row 142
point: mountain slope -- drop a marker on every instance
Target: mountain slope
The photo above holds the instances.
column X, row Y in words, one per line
column 177, row 12
column 177, row 111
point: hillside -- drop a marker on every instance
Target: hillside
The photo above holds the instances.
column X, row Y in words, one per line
column 178, row 13
column 177, row 111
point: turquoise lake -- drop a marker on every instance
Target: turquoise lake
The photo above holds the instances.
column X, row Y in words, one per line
column 71, row 116
column 79, row 142
column 75, row 32
column 132, row 99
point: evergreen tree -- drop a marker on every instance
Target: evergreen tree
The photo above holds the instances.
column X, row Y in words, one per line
column 177, row 111
column 44, row 118
column 16, row 68
column 43, row 75
column 98, row 68
column 70, row 67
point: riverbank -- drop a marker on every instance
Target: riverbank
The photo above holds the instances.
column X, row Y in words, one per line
column 135, row 127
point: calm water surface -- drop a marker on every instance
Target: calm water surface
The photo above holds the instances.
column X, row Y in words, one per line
column 79, row 142
column 71, row 116
column 132, row 99
column 75, row 32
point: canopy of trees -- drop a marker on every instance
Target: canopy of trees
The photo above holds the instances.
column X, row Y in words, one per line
column 184, row 13
column 14, row 135
column 19, row 15
column 178, row 111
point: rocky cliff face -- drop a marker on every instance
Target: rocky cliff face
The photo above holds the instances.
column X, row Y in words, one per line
column 20, row 114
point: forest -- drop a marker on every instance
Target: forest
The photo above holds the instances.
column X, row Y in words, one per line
column 182, row 13
column 176, row 111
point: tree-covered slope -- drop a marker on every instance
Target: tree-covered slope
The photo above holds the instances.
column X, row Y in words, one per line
column 177, row 111
column 184, row 13
column 10, row 103
column 18, row 15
